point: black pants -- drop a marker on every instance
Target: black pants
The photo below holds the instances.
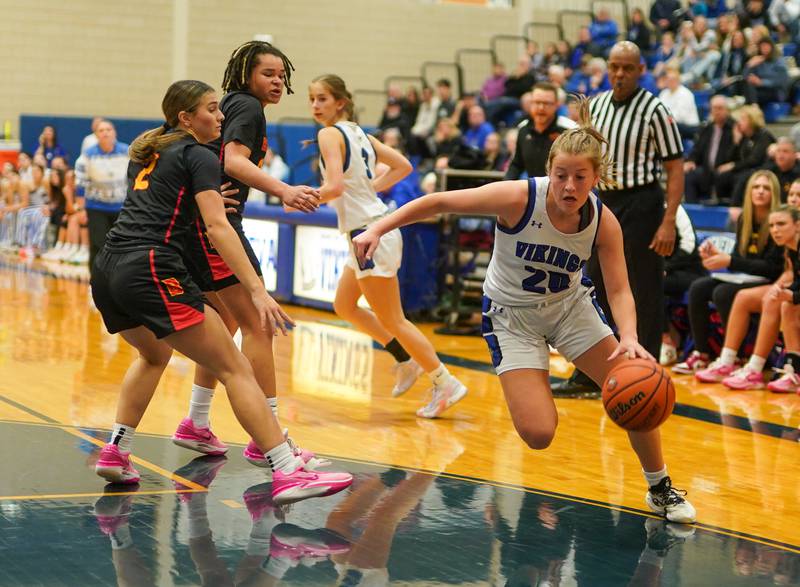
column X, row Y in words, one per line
column 699, row 184
column 99, row 225
column 676, row 284
column 701, row 292
column 640, row 212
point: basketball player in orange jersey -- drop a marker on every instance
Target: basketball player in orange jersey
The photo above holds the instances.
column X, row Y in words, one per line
column 143, row 290
column 255, row 77
column 535, row 292
column 347, row 161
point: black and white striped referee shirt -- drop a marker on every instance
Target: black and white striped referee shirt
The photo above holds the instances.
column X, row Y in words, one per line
column 641, row 133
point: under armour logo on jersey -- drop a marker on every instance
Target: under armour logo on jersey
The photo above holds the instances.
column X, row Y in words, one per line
column 173, row 286
column 536, row 224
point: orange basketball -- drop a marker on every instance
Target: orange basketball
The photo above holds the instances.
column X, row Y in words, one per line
column 638, row 395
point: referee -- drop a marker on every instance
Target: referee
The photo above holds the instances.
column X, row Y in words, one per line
column 643, row 138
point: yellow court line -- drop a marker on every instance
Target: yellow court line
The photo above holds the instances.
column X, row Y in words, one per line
column 97, row 494
column 232, row 503
column 138, row 460
column 623, row 509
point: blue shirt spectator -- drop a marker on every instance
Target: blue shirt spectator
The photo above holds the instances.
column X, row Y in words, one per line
column 479, row 129
column 604, row 31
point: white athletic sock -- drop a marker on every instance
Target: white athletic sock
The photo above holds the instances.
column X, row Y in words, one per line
column 439, row 375
column 122, row 436
column 198, row 516
column 260, row 535
column 756, row 363
column 121, row 538
column 276, row 567
column 281, row 459
column 655, row 477
column 273, row 405
column 200, row 405
column 727, row 356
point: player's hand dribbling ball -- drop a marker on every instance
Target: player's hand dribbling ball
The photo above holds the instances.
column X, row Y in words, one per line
column 638, row 395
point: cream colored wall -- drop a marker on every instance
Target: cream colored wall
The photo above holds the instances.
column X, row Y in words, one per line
column 83, row 57
column 88, row 57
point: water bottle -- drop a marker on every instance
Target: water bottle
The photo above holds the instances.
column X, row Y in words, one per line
column 7, row 130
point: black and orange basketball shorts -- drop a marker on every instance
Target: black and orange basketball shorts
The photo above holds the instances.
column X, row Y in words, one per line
column 205, row 264
column 146, row 287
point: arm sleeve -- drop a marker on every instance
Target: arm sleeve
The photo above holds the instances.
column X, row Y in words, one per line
column 665, row 133
column 243, row 116
column 204, row 168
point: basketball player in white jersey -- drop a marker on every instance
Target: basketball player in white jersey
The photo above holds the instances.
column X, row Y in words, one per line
column 535, row 292
column 347, row 160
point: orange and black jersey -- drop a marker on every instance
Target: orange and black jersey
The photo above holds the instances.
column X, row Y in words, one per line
column 160, row 207
column 244, row 123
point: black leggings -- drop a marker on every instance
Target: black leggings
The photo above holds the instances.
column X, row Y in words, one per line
column 701, row 292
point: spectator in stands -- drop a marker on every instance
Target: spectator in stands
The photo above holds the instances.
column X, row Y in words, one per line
column 394, row 117
column 710, row 9
column 510, row 142
column 37, row 192
column 766, row 76
column 535, row 57
column 496, row 158
column 793, row 199
column 557, row 75
column 564, row 52
column 478, row 129
column 538, row 133
column 751, row 140
column 604, row 30
column 66, row 216
column 771, row 301
column 48, row 145
column 445, row 97
column 639, row 33
column 785, row 165
column 698, row 51
column 681, row 268
column 13, row 191
column 461, row 114
column 728, row 77
column 785, row 16
column 277, row 168
column 680, row 101
column 714, row 147
column 495, row 85
column 24, row 167
column 424, row 124
column 665, row 53
column 518, row 83
column 598, row 77
column 754, row 253
column 406, row 189
column 666, row 15
column 753, row 13
column 411, row 104
column 585, row 46
column 551, row 57
column 101, row 178
column 90, row 140
column 444, row 142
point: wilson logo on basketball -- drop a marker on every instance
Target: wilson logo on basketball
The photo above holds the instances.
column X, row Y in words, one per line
column 173, row 286
column 619, row 410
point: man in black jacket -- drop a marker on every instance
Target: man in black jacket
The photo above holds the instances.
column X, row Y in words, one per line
column 713, row 148
column 537, row 133
column 785, row 164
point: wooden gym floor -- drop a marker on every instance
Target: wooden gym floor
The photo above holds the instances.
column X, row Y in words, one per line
column 456, row 501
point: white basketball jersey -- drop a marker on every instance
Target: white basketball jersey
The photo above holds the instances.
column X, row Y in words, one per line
column 358, row 205
column 534, row 262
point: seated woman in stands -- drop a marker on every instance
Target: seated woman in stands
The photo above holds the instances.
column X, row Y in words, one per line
column 774, row 302
column 754, row 253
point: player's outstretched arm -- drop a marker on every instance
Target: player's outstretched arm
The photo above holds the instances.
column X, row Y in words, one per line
column 505, row 199
column 227, row 242
column 239, row 166
column 615, row 277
